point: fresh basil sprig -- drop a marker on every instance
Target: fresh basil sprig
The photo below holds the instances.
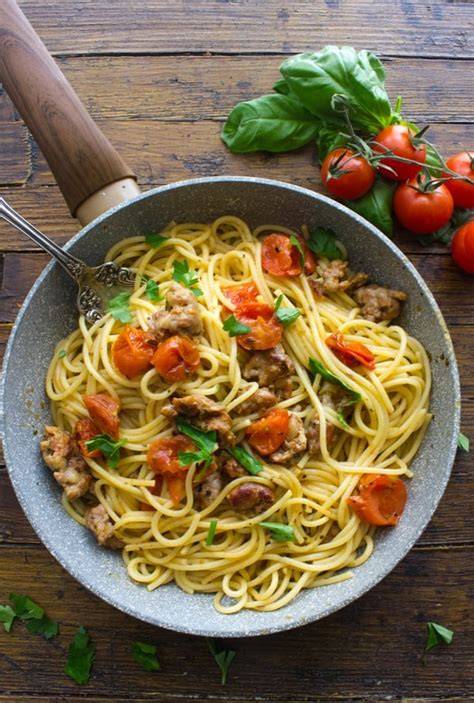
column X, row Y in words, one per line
column 205, row 441
column 246, row 459
column 322, row 241
column 80, row 657
column 182, row 274
column 145, row 655
column 223, row 657
column 279, row 531
column 285, row 315
column 118, row 307
column 234, row 327
column 376, row 205
column 315, row 367
column 109, row 447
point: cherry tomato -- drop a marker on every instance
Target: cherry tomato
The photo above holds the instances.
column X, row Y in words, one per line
column 282, row 258
column 381, row 499
column 84, row 431
column 422, row 212
column 462, row 247
column 103, row 410
column 176, row 357
column 399, row 139
column 132, row 352
column 351, row 353
column 241, row 294
column 462, row 192
column 162, row 455
column 176, row 484
column 357, row 175
column 268, row 434
column 265, row 330
column 154, row 490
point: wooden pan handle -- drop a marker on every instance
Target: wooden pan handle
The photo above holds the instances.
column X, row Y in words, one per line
column 81, row 158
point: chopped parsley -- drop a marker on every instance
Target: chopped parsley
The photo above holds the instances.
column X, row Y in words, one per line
column 437, row 634
column 205, row 441
column 80, row 656
column 222, row 657
column 211, row 532
column 45, row 626
column 152, row 290
column 24, row 608
column 118, row 307
column 296, row 243
column 463, row 442
column 61, row 354
column 145, row 655
column 323, row 242
column 234, row 327
column 285, row 315
column 315, row 367
column 155, row 240
column 279, row 531
column 246, row 459
column 182, row 274
column 109, row 447
column 7, row 616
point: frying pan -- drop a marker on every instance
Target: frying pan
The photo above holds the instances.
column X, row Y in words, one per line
column 100, row 189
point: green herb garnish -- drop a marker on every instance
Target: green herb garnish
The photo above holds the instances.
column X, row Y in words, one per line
column 80, row 656
column 342, row 420
column 24, row 608
column 155, row 240
column 246, row 459
column 145, row 655
column 182, row 274
column 222, row 657
column 296, row 243
column 61, row 354
column 118, row 307
column 46, row 627
column 211, row 532
column 279, row 531
column 152, row 291
column 285, row 315
column 206, row 442
column 109, row 447
column 234, row 327
column 315, row 367
column 463, row 442
column 7, row 616
column 323, row 242
column 437, row 634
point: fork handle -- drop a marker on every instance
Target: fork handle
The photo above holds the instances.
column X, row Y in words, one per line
column 81, row 158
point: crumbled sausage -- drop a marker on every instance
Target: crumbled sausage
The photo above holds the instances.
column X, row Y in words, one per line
column 99, row 522
column 378, row 303
column 61, row 454
column 205, row 414
column 230, row 466
column 183, row 317
column 293, row 445
column 207, row 491
column 262, row 399
column 271, row 369
column 336, row 277
column 252, row 497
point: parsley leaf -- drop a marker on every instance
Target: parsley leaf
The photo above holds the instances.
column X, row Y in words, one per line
column 463, row 442
column 279, row 531
column 436, row 635
column 145, row 655
column 222, row 657
column 61, row 354
column 296, row 243
column 315, row 367
column 342, row 420
column 80, row 656
column 206, row 442
column 36, row 621
column 152, row 290
column 285, row 315
column 234, row 327
column 46, row 627
column 323, row 242
column 182, row 274
column 246, row 459
column 155, row 240
column 109, row 447
column 25, row 608
column 211, row 532
column 7, row 616
column 118, row 307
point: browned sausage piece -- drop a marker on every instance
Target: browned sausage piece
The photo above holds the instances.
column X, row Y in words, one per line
column 99, row 522
column 271, row 369
column 293, row 445
column 252, row 497
column 183, row 317
column 377, row 303
column 207, row 491
column 261, row 400
column 205, row 414
column 61, row 454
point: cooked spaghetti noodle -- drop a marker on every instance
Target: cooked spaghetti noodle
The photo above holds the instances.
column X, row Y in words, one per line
column 244, row 566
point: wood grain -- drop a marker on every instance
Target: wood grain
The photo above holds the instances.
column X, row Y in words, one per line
column 415, row 29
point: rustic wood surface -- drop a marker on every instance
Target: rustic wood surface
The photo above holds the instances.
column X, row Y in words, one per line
column 159, row 78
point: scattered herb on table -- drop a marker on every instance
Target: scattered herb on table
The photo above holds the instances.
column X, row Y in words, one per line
column 145, row 655
column 24, row 608
column 234, row 327
column 285, row 315
column 463, row 442
column 206, row 442
column 80, row 657
column 279, row 531
column 437, row 634
column 223, row 657
column 109, row 447
column 182, row 274
column 118, row 307
column 246, row 459
column 45, row 626
column 155, row 240
column 211, row 533
column 7, row 616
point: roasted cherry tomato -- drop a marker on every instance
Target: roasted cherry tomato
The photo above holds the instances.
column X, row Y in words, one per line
column 162, row 455
column 282, row 258
column 347, row 174
column 265, row 329
column 176, row 357
column 132, row 351
column 103, row 410
column 351, row 353
column 462, row 192
column 381, row 499
column 462, row 247
column 268, row 434
column 154, row 490
column 84, row 431
column 422, row 211
column 176, row 484
column 398, row 139
column 242, row 294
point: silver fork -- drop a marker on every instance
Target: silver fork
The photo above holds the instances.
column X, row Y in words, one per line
column 97, row 284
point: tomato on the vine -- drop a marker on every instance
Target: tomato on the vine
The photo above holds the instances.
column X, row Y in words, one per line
column 422, row 211
column 462, row 192
column 398, row 139
column 462, row 247
column 347, row 174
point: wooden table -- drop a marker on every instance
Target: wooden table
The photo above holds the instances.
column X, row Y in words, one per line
column 159, row 77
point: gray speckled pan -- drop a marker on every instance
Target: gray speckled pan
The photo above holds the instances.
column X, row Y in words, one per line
column 48, row 314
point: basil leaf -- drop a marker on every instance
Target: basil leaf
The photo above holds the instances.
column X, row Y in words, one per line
column 109, row 447
column 376, row 205
column 234, row 327
column 145, row 655
column 222, row 657
column 342, row 420
column 155, row 240
column 25, row 608
column 152, row 291
column 7, row 616
column 211, row 532
column 206, row 441
column 80, row 656
column 182, row 274
column 270, row 123
column 46, row 627
column 287, row 316
column 61, row 354
column 246, row 459
column 315, row 78
column 118, row 307
column 296, row 243
column 463, row 442
column 327, row 140
column 323, row 243
column 437, row 634
column 279, row 531
column 315, row 367
column 445, row 234
column 281, row 86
